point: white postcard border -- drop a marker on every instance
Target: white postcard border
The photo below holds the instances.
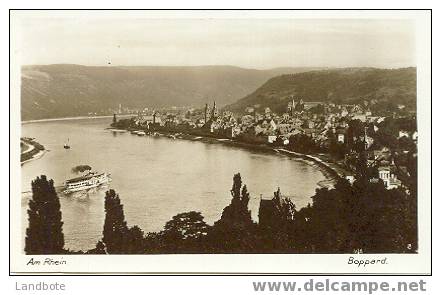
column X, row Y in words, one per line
column 237, row 263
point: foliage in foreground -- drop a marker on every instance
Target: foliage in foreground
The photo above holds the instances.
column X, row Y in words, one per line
column 362, row 217
column 45, row 232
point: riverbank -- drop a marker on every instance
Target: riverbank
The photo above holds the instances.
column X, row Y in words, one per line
column 320, row 160
column 330, row 169
column 74, row 118
column 31, row 150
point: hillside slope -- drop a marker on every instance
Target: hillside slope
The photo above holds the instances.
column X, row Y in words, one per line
column 348, row 85
column 51, row 91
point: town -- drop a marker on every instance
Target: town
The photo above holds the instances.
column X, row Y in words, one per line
column 337, row 135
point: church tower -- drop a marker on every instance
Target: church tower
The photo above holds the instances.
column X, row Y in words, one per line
column 206, row 113
column 214, row 111
column 293, row 106
column 366, row 143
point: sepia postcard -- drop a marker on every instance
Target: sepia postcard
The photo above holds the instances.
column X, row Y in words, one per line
column 220, row 142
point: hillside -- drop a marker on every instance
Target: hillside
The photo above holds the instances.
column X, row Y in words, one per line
column 51, row 91
column 348, row 85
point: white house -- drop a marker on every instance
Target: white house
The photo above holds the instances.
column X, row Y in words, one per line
column 389, row 179
column 403, row 133
column 350, row 178
column 415, row 136
column 272, row 138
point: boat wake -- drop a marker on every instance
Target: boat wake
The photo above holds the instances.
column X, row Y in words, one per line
column 84, row 195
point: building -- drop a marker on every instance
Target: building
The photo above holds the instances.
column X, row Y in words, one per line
column 143, row 119
column 350, row 178
column 341, row 134
column 206, row 113
column 210, row 116
column 389, row 178
column 235, row 131
column 310, row 104
column 272, row 138
column 415, row 136
column 249, row 110
column 361, row 117
column 214, row 111
column 344, row 112
column 403, row 133
column 294, row 107
column 275, row 212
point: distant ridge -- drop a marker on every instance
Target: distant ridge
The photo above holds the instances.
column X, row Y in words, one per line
column 345, row 85
column 67, row 90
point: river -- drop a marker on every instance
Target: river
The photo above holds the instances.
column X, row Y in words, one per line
column 155, row 177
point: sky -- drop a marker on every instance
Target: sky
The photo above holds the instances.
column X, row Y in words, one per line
column 261, row 43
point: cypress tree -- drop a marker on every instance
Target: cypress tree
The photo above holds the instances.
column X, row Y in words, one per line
column 234, row 232
column 115, row 232
column 44, row 234
column 237, row 212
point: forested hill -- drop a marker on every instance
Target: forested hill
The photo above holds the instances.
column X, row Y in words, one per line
column 50, row 91
column 347, row 85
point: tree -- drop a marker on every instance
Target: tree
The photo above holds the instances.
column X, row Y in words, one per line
column 303, row 144
column 384, row 219
column 276, row 218
column 185, row 233
column 124, row 123
column 318, row 109
column 189, row 225
column 115, row 232
column 44, row 234
column 331, row 219
column 363, row 216
column 407, row 144
column 356, row 130
column 302, row 230
column 276, row 213
column 237, row 213
column 100, row 248
column 235, row 231
column 135, row 241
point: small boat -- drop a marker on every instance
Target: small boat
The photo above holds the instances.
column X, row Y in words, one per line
column 141, row 133
column 86, row 182
column 66, row 145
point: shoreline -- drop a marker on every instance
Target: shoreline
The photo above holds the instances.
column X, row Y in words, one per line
column 331, row 174
column 34, row 146
column 316, row 160
column 34, row 157
column 73, row 118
